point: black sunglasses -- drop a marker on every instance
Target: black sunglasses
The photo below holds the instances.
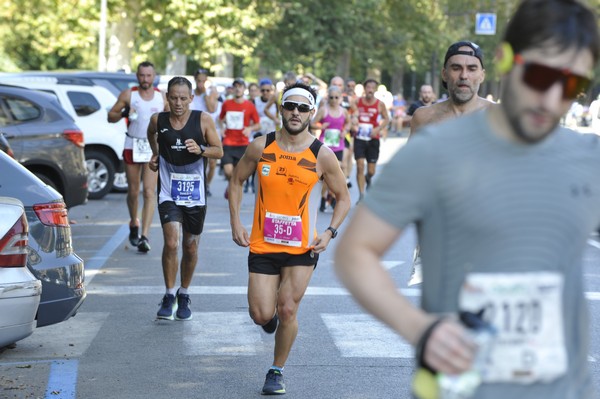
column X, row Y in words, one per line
column 541, row 77
column 265, row 90
column 333, row 98
column 292, row 105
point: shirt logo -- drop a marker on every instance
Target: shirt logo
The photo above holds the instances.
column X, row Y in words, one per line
column 266, row 169
column 164, row 130
column 179, row 146
column 289, row 157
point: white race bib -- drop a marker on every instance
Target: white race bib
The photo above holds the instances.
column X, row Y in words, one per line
column 332, row 137
column 364, row 131
column 234, row 120
column 141, row 150
column 526, row 310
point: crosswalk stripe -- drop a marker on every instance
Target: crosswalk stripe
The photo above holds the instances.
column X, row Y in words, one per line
column 360, row 335
column 221, row 334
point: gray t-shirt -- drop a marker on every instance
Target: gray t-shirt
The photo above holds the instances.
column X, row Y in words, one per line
column 483, row 204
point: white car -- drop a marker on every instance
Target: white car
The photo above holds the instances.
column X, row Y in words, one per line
column 20, row 291
column 88, row 104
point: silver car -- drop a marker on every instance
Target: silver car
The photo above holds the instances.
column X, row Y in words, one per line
column 20, row 291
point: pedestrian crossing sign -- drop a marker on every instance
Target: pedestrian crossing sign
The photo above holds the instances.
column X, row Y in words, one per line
column 485, row 24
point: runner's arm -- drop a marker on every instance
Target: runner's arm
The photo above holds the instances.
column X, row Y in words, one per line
column 358, row 265
column 116, row 112
column 214, row 149
column 244, row 169
column 153, row 141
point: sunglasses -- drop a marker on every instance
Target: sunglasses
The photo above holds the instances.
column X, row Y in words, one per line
column 333, row 98
column 292, row 105
column 265, row 90
column 541, row 77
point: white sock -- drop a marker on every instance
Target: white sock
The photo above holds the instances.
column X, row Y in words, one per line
column 183, row 290
column 171, row 291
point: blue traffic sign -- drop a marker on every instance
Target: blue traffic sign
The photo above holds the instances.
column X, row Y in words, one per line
column 485, row 24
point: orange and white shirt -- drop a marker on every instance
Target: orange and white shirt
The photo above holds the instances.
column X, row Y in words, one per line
column 285, row 219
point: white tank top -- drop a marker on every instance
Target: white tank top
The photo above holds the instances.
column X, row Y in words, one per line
column 140, row 113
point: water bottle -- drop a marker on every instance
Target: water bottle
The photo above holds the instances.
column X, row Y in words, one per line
column 463, row 386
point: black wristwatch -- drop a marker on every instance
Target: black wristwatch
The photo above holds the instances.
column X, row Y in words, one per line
column 333, row 231
column 202, row 149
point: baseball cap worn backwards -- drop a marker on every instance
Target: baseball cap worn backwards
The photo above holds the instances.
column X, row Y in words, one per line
column 239, row 81
column 474, row 52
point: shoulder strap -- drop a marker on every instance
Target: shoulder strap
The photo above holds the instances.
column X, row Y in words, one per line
column 270, row 139
column 315, row 147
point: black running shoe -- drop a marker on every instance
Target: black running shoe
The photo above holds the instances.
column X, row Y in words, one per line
column 143, row 244
column 134, row 237
column 274, row 384
column 323, row 205
column 168, row 307
column 183, row 307
column 271, row 326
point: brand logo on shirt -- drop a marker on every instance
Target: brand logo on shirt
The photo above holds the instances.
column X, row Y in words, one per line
column 164, row 130
column 179, row 146
column 290, row 157
column 266, row 169
column 281, row 171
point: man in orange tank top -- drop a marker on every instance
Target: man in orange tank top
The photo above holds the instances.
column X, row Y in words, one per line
column 284, row 243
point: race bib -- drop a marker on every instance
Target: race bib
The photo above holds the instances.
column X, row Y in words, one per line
column 283, row 229
column 185, row 188
column 141, row 150
column 332, row 137
column 234, row 120
column 267, row 125
column 364, row 131
column 526, row 310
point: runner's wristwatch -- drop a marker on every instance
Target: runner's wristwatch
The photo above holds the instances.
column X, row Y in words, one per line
column 333, row 231
column 202, row 149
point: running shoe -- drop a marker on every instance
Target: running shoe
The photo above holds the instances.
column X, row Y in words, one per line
column 134, row 237
column 323, row 205
column 168, row 307
column 183, row 307
column 274, row 384
column 143, row 244
column 271, row 326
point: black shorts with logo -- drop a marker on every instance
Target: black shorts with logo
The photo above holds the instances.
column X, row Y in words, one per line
column 191, row 218
column 366, row 149
column 273, row 262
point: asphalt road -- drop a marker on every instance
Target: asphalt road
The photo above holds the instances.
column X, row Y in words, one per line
column 115, row 348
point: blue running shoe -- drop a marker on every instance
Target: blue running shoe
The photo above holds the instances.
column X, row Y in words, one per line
column 183, row 307
column 274, row 384
column 168, row 306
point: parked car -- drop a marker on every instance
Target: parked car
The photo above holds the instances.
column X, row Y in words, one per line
column 88, row 104
column 45, row 140
column 4, row 146
column 50, row 255
column 19, row 289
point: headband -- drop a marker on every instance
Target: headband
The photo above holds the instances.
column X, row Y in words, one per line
column 298, row 91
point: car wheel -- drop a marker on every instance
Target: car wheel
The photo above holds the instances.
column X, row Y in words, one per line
column 101, row 174
column 120, row 183
column 47, row 181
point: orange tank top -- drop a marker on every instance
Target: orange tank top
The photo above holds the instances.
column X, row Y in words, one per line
column 285, row 219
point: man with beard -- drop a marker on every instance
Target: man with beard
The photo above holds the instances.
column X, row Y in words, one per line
column 505, row 200
column 182, row 141
column 138, row 104
column 462, row 74
column 284, row 243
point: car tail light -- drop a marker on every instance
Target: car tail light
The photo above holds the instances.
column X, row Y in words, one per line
column 75, row 136
column 13, row 246
column 52, row 213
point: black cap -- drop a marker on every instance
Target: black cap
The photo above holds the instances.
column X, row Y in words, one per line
column 454, row 50
column 239, row 81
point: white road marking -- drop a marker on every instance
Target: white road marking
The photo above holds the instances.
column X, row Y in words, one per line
column 98, row 289
column 390, row 264
column 221, row 334
column 360, row 335
column 593, row 243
